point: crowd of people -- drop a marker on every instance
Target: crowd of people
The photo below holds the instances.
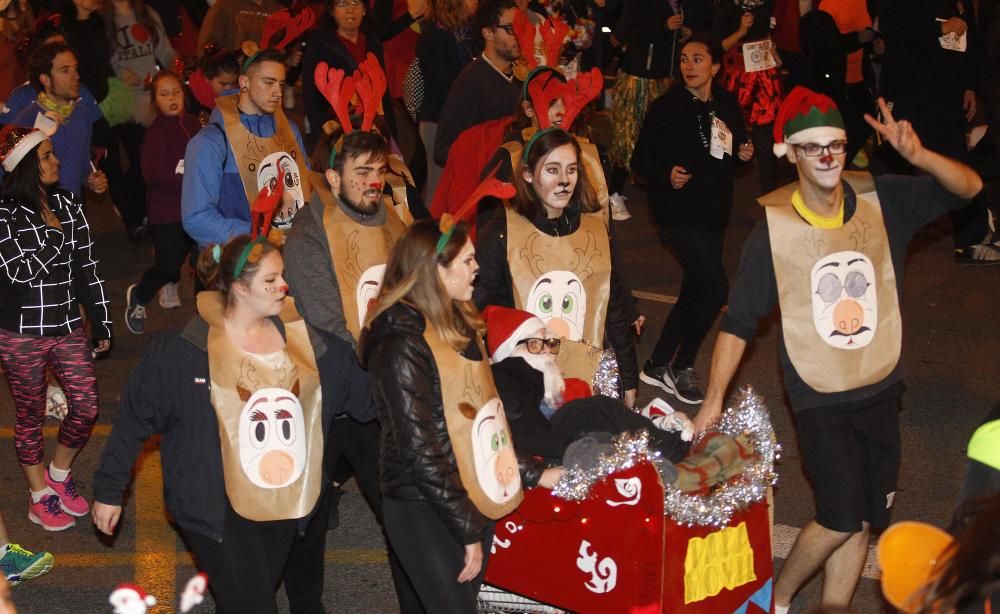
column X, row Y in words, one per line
column 442, row 202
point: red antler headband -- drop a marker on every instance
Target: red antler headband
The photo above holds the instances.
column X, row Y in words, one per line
column 284, row 26
column 579, row 92
column 337, row 90
column 491, row 186
column 554, row 32
column 525, row 34
column 262, row 209
column 370, row 84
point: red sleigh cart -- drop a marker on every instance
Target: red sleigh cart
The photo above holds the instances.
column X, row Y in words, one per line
column 620, row 550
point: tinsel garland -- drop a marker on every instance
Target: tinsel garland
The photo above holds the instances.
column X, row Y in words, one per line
column 749, row 417
column 606, row 380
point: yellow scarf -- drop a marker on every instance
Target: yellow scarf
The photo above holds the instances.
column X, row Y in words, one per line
column 64, row 110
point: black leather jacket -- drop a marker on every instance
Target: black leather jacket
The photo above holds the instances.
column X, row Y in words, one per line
column 416, row 460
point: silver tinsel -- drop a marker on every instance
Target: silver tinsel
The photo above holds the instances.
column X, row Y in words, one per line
column 606, row 380
column 749, row 417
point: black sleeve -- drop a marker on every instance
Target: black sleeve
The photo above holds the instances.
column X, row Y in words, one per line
column 533, row 434
column 653, row 154
column 315, row 103
column 402, row 371
column 416, row 204
column 145, row 410
column 910, row 203
column 754, row 293
column 456, row 115
column 346, row 386
column 494, row 285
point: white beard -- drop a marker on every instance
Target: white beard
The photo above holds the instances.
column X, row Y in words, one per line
column 546, row 363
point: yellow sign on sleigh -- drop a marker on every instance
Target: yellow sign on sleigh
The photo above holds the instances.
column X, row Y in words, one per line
column 723, row 559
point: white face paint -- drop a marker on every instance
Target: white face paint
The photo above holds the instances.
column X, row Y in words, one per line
column 560, row 300
column 367, row 290
column 493, row 453
column 844, row 301
column 292, row 199
column 272, row 436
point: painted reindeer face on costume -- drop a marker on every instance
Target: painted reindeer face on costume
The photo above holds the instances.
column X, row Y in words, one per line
column 844, row 302
column 560, row 300
column 369, row 285
column 272, row 435
column 493, row 451
column 292, row 198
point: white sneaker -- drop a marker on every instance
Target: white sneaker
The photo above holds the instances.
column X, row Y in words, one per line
column 619, row 212
column 168, row 297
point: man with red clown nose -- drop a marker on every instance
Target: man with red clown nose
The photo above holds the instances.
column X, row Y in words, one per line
column 830, row 252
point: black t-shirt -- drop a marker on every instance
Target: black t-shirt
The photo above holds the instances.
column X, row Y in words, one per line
column 908, row 203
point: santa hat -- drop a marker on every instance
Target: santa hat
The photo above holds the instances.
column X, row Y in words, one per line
column 806, row 117
column 120, row 596
column 16, row 142
column 505, row 327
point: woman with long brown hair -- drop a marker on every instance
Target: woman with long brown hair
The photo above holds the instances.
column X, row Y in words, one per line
column 448, row 467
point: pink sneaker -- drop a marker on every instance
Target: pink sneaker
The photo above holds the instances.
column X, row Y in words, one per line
column 49, row 514
column 71, row 500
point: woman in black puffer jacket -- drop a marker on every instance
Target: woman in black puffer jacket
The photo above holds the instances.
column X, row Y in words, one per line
column 447, row 465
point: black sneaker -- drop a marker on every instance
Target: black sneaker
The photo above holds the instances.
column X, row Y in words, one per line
column 135, row 314
column 984, row 254
column 682, row 383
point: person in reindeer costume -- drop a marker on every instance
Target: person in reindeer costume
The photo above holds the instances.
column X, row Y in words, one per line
column 243, row 398
column 335, row 258
column 246, row 144
column 551, row 254
column 830, row 252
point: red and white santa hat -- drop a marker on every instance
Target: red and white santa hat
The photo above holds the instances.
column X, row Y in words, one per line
column 806, row 117
column 16, row 142
column 505, row 327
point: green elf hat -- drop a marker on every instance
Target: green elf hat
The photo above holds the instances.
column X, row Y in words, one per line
column 984, row 446
column 806, row 117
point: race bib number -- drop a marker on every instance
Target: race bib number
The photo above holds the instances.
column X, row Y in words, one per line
column 722, row 139
column 757, row 56
column 45, row 124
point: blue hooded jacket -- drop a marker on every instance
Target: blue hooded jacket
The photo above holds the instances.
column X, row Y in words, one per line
column 214, row 206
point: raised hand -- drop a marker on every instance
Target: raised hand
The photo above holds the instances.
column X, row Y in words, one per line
column 899, row 134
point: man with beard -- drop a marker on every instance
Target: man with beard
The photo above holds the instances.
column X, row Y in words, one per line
column 830, row 252
column 547, row 413
column 247, row 145
column 335, row 258
column 487, row 87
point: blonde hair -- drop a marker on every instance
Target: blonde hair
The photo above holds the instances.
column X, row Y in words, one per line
column 216, row 266
column 411, row 276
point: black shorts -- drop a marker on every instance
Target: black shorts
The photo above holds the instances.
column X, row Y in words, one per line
column 851, row 453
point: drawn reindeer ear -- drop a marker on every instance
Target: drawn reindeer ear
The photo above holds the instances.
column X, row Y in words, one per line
column 244, row 393
column 467, row 410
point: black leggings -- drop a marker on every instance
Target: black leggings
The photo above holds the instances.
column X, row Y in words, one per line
column 431, row 556
column 704, row 289
column 171, row 246
column 244, row 569
column 128, row 188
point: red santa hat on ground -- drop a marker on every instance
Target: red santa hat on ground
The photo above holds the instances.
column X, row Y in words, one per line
column 16, row 142
column 505, row 327
column 806, row 117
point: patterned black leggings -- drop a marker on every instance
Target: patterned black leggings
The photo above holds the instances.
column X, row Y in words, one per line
column 25, row 358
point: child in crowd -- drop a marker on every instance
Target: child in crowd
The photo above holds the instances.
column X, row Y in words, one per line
column 162, row 159
column 218, row 72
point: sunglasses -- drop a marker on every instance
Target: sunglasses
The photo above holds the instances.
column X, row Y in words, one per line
column 535, row 344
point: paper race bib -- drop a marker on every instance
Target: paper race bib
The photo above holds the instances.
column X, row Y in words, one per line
column 722, row 139
column 45, row 124
column 180, row 167
column 757, row 56
column 954, row 42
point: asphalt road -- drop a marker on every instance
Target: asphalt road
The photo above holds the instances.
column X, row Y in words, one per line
column 950, row 350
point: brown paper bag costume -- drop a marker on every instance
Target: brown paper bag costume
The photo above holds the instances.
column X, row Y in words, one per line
column 565, row 281
column 270, row 415
column 258, row 159
column 358, row 253
column 837, row 290
column 478, row 429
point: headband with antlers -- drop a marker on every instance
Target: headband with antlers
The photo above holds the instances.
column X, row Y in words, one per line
column 280, row 29
column 365, row 88
column 491, row 186
column 575, row 94
column 554, row 31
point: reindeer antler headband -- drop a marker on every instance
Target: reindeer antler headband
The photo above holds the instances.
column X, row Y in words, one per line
column 491, row 186
column 575, row 93
column 280, row 28
column 367, row 85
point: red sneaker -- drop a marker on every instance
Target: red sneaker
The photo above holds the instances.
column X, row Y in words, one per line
column 71, row 500
column 49, row 514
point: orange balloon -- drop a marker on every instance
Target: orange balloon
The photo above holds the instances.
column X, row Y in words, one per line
column 911, row 554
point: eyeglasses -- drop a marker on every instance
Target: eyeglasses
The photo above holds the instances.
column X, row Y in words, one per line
column 507, row 27
column 343, row 4
column 535, row 344
column 813, row 150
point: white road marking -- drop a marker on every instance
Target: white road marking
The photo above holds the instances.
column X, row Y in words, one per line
column 784, row 537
